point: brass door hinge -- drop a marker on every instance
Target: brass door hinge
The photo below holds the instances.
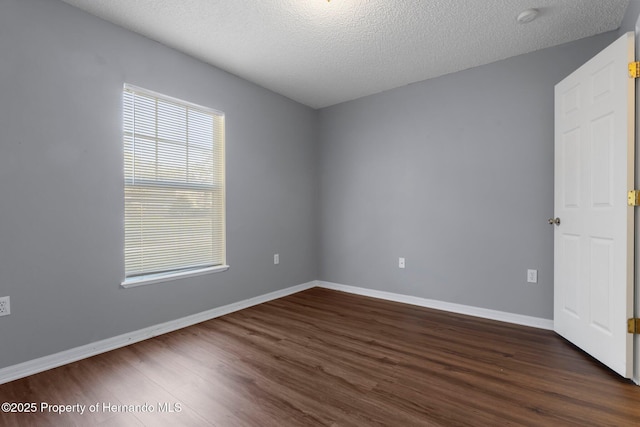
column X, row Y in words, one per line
column 633, row 326
column 633, row 198
column 634, row 70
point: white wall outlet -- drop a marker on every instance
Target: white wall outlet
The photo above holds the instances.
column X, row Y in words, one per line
column 532, row 276
column 276, row 258
column 5, row 307
column 400, row 262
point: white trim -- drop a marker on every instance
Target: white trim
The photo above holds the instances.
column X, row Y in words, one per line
column 149, row 279
column 485, row 313
column 41, row 364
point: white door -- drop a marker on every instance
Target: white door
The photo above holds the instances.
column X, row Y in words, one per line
column 593, row 242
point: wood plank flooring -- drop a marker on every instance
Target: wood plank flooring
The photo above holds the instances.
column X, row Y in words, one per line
column 327, row 358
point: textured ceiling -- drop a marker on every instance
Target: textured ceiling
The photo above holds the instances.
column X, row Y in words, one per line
column 322, row 53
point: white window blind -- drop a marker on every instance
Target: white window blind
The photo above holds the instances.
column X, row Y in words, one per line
column 174, row 185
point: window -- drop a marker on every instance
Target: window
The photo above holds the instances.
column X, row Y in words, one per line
column 174, row 188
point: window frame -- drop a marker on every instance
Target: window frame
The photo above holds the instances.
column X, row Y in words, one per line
column 147, row 278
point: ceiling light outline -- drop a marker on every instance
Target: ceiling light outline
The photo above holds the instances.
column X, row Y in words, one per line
column 528, row 15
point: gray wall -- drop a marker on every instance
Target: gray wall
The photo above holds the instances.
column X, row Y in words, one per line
column 61, row 181
column 456, row 175
column 630, row 17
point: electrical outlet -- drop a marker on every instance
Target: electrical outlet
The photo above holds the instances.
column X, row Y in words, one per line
column 5, row 307
column 400, row 262
column 532, row 276
column 276, row 258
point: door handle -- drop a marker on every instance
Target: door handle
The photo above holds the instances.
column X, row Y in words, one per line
column 555, row 221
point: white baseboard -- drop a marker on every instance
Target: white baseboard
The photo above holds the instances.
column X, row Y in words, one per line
column 485, row 313
column 41, row 364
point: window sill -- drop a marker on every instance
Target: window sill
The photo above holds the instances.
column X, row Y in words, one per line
column 165, row 277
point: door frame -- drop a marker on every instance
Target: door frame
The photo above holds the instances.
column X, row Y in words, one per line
column 636, row 281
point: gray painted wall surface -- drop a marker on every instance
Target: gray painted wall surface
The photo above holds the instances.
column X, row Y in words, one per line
column 630, row 17
column 456, row 175
column 431, row 172
column 61, row 183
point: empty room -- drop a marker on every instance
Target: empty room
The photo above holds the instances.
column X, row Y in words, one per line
column 319, row 212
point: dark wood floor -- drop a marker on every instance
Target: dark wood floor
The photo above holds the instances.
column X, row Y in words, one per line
column 322, row 357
